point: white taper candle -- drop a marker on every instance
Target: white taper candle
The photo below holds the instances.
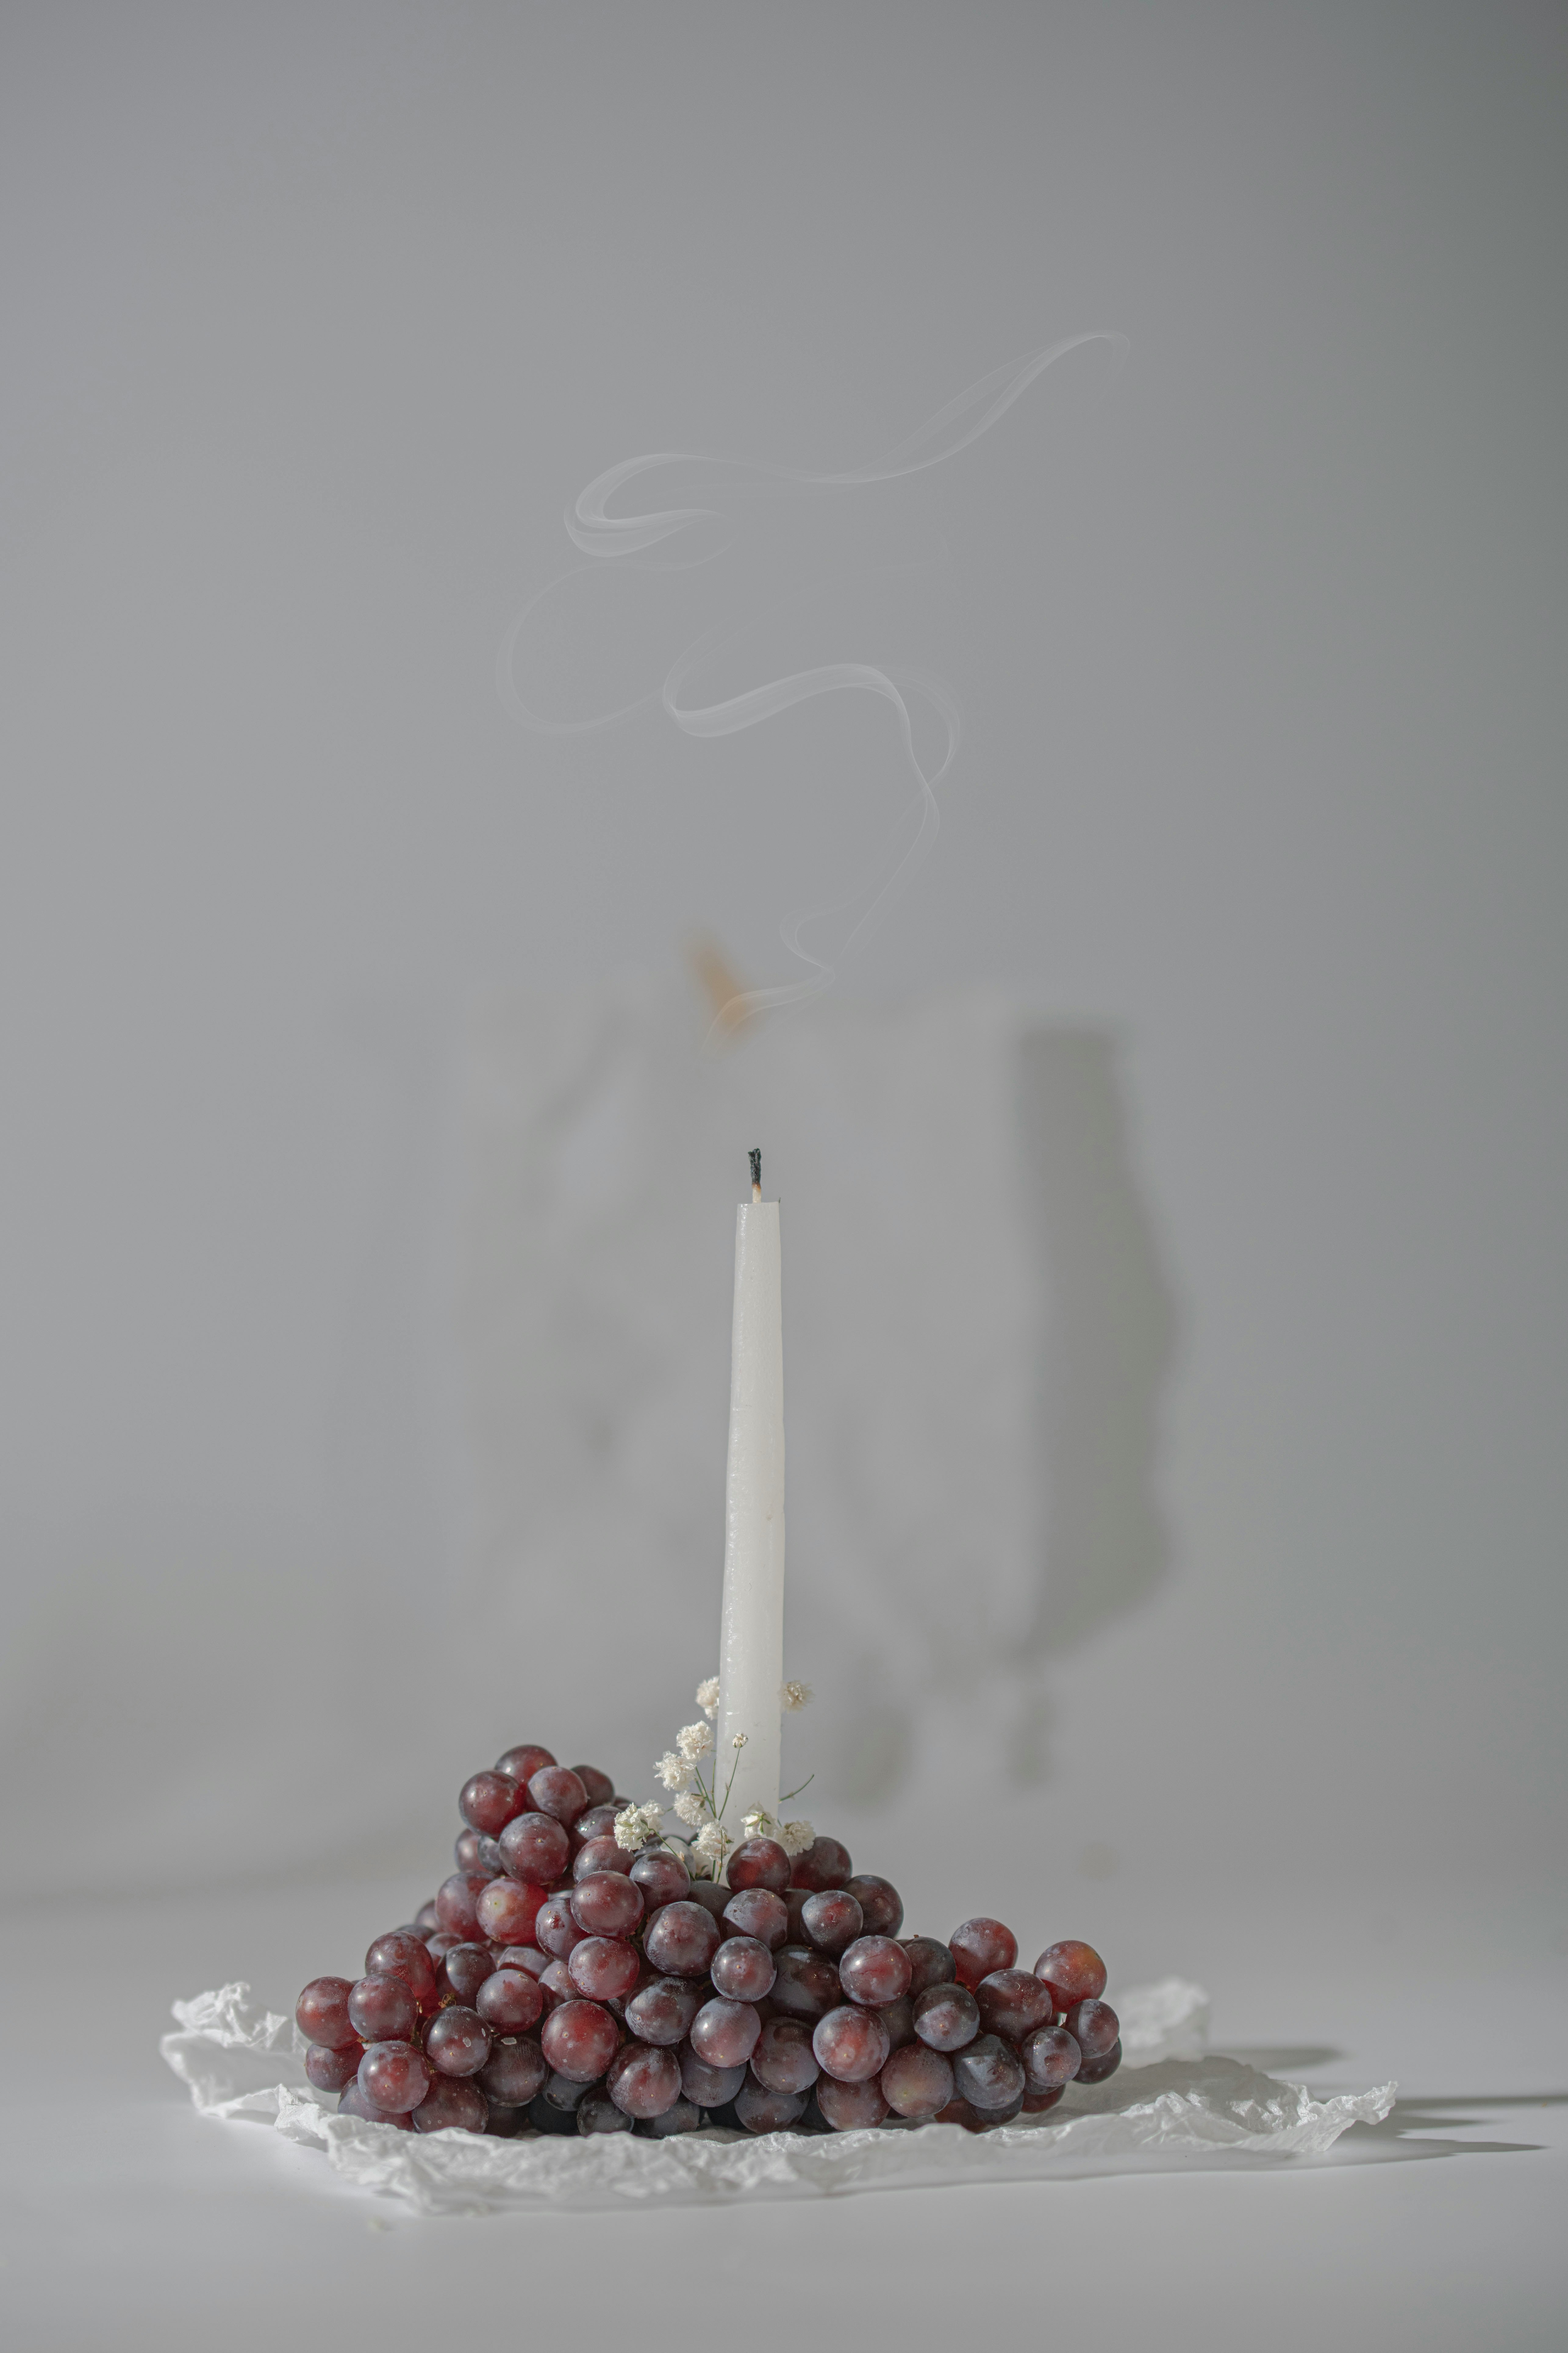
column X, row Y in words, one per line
column 751, row 1640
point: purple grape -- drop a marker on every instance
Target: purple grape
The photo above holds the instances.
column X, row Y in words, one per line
column 898, row 2018
column 579, row 2039
column 535, row 1848
column 709, row 2088
column 758, row 1912
column 681, row 1940
column 440, row 1944
column 759, row 2110
column 514, row 2072
column 1074, row 1972
column 1037, row 2103
column 474, row 1852
column 917, row 2083
column 489, row 1801
column 979, row 1946
column 662, row 2012
column 523, row 1957
column 464, row 1969
column 873, row 1970
column 458, row 2042
column 555, row 1790
column 557, row 1985
column 451, row 2105
column 562, row 2092
column 502, row 2121
column 598, row 2114
column 599, row 1821
column 394, row 2075
column 545, row 2118
column 521, row 1764
column 681, row 2119
column 806, row 1985
column 988, row 2073
column 426, row 1921
column 600, row 1788
column 403, row 1954
column 509, row 2001
column 783, row 2060
column 662, row 1877
column 456, row 1903
column 644, row 2080
column 881, row 1906
column 598, row 1856
column 946, row 2017
column 507, row 1910
column 823, row 1864
column 322, row 2013
column 1013, row 2002
column 356, row 2102
column 850, row 2107
column 1051, row 2059
column 759, row 1862
column 796, row 1900
column 1096, row 2071
column 831, row 1920
column 742, row 1969
column 606, row 1905
column 602, row 1967
column 1094, row 2027
column 554, row 1929
column 725, row 2033
column 710, row 1895
column 382, row 2008
column 334, row 2070
column 851, row 2045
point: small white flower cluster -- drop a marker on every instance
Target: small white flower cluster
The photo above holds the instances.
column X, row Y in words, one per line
column 710, row 1846
column 708, row 1698
column 793, row 1696
column 699, row 1801
column 639, row 1826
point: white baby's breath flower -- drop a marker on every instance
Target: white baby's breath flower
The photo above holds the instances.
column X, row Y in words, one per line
column 711, row 1845
column 795, row 1695
column 694, row 1740
column 794, row 1837
column 759, row 1824
column 639, row 1826
column 708, row 1698
column 740, row 1740
column 690, row 1807
column 673, row 1770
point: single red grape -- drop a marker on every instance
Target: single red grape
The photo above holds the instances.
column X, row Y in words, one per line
column 644, row 2079
column 579, row 2039
column 598, row 2114
column 356, row 2102
column 979, row 1946
column 503, row 2122
column 382, row 2008
column 509, row 1910
column 535, row 1848
column 451, row 2105
column 1095, row 2071
column 709, row 2088
column 523, row 1763
column 682, row 2118
column 783, row 2060
column 463, row 1970
column 602, row 1967
column 825, row 1863
column 509, row 2001
column 852, row 2107
column 514, row 2072
column 557, row 1985
column 426, row 1920
column 523, row 1957
column 394, row 2074
column 831, row 1920
column 1035, row 2104
column 456, row 1903
column 662, row 1876
column 606, row 1905
column 405, row 1955
column 334, row 2070
column 599, row 1786
column 946, row 2017
column 759, row 1862
column 555, row 1930
column 555, row 1790
column 898, row 2018
column 1094, row 2027
column 743, row 1969
column 596, row 1855
column 873, row 1970
column 472, row 1851
column 681, row 1940
column 440, row 1944
column 917, row 2083
column 881, row 1906
column 458, row 2041
column 761, row 2110
column 662, row 2012
column 988, row 2073
column 489, row 1801
column 795, row 1901
column 758, row 1912
column 1013, row 2002
column 725, row 2033
column 322, row 2013
column 1051, row 2059
column 1074, row 1972
column 850, row 2044
column 710, row 1893
column 806, row 1984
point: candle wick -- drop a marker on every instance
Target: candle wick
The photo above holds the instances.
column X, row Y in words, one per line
column 756, row 1173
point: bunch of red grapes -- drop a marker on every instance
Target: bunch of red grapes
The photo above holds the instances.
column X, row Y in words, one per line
column 559, row 1983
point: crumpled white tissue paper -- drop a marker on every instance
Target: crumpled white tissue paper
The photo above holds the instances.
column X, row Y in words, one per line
column 1168, row 2102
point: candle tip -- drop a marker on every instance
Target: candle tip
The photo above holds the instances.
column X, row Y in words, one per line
column 756, row 1159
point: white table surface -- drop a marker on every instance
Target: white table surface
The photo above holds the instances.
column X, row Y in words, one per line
column 130, row 2221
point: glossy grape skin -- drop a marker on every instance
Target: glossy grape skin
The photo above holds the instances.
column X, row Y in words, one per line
column 382, row 2008
column 579, row 2039
column 502, row 2120
column 1094, row 2027
column 440, row 1944
column 742, row 1969
column 557, row 1984
column 394, row 2075
column 759, row 1863
column 458, row 2041
column 881, row 1906
column 523, row 1957
column 898, row 2018
column 464, row 1969
column 873, row 1970
column 988, row 2073
column 563, row 2092
column 545, row 2117
column 683, row 2117
column 852, row 2107
column 725, row 2033
column 598, row 1822
column 555, row 1790
column 507, row 1911
column 705, row 2086
column 825, row 1863
column 644, row 2079
column 662, row 2012
column 334, row 2070
column 598, row 2114
column 554, row 1929
column 535, row 1848
column 456, row 1903
column 946, row 2017
column 1096, row 2071
column 602, row 1967
column 783, row 2060
column 758, row 1912
column 711, row 1894
column 805, row 1984
column 917, row 2081
column 403, row 1954
column 979, row 1946
column 760, row 2110
column 1013, row 2002
column 1074, row 1972
column 489, row 1801
column 1051, row 2059
column 322, row 2013
column 426, row 1920
column 521, row 1764
column 681, row 1940
column 469, row 1850
column 831, row 1920
column 849, row 2044
column 596, row 1856
column 795, row 1901
column 606, row 1905
column 509, row 2001
column 452, row 2104
column 356, row 2102
column 514, row 2072
column 1037, row 2103
column 662, row 1877
column 599, row 1786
